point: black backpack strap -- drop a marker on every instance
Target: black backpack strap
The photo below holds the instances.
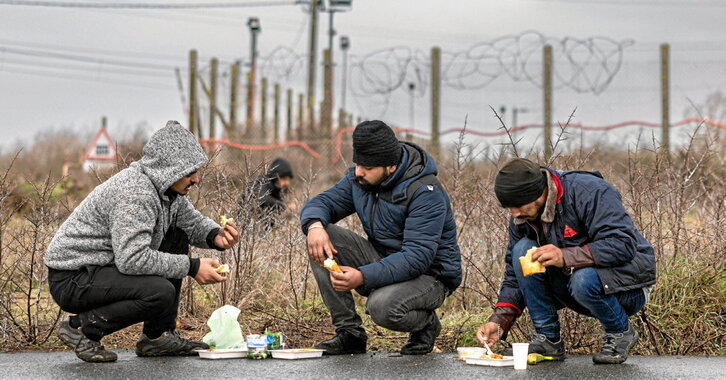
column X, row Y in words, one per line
column 427, row 180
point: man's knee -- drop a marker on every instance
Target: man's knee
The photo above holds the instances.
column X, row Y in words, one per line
column 336, row 233
column 383, row 308
column 585, row 285
column 521, row 248
column 159, row 294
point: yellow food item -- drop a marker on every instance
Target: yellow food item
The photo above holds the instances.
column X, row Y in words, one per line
column 223, row 220
column 529, row 266
column 222, row 269
column 492, row 356
column 331, row 265
column 305, row 350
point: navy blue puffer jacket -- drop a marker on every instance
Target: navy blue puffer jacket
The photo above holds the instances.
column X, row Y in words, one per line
column 592, row 213
column 415, row 238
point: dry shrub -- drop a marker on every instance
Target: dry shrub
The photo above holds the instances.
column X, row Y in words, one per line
column 677, row 201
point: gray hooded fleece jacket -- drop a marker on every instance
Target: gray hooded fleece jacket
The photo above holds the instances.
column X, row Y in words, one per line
column 123, row 220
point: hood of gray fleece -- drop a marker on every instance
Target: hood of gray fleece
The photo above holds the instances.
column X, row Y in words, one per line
column 171, row 153
column 123, row 220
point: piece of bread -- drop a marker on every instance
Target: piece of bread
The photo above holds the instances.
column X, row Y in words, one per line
column 331, row 265
column 529, row 266
column 222, row 269
column 223, row 220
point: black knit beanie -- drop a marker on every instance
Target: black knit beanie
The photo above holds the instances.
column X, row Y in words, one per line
column 375, row 144
column 519, row 181
column 280, row 167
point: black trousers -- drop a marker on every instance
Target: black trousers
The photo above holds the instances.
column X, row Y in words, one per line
column 107, row 300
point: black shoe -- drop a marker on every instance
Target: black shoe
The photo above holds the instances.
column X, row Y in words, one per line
column 69, row 335
column 343, row 343
column 539, row 344
column 616, row 347
column 168, row 344
column 86, row 349
column 422, row 342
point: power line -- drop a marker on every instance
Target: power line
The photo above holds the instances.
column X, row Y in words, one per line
column 82, row 58
column 61, row 75
column 235, row 4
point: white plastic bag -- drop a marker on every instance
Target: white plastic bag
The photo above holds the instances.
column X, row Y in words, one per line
column 226, row 332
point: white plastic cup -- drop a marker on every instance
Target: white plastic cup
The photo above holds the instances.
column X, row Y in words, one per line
column 520, row 351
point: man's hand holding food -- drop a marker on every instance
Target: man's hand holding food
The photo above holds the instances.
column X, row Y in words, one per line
column 319, row 245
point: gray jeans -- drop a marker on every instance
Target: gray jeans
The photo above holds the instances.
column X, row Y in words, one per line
column 404, row 306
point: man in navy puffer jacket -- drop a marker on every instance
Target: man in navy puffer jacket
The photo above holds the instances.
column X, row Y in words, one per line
column 410, row 262
column 596, row 262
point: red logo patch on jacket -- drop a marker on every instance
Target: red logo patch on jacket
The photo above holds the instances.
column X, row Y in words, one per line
column 569, row 232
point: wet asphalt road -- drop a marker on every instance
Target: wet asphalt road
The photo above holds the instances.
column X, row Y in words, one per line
column 64, row 365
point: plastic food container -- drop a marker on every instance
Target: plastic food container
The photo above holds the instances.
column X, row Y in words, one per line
column 507, row 361
column 297, row 353
column 465, row 352
column 223, row 353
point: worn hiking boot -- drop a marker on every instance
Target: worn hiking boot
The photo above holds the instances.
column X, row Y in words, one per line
column 168, row 344
column 343, row 343
column 69, row 335
column 541, row 345
column 615, row 347
column 422, row 342
column 86, row 349
column 93, row 352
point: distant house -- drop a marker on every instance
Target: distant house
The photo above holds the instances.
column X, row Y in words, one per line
column 101, row 153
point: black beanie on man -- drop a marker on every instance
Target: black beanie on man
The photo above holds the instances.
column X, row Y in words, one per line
column 375, row 144
column 519, row 181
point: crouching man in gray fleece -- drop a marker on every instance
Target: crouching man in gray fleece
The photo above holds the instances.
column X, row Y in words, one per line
column 120, row 257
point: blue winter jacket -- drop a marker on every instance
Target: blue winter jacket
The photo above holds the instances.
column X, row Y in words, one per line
column 415, row 237
column 589, row 213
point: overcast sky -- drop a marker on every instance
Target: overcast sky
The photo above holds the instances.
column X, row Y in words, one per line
column 40, row 89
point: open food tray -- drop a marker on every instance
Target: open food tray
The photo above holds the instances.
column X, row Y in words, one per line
column 297, row 353
column 507, row 361
column 223, row 353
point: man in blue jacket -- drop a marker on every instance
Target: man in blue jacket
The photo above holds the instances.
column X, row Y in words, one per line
column 596, row 261
column 410, row 262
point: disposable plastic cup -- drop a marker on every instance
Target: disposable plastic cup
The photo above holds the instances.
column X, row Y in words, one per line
column 520, row 351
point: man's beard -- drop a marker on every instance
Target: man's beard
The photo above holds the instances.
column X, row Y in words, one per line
column 366, row 186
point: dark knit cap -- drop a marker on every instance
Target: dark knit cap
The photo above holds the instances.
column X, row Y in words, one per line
column 280, row 167
column 519, row 181
column 375, row 144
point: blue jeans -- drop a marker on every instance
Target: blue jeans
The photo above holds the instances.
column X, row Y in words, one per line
column 582, row 291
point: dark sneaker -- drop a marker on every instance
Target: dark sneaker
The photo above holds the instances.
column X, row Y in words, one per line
column 93, row 352
column 541, row 345
column 422, row 342
column 343, row 343
column 168, row 344
column 86, row 349
column 69, row 335
column 615, row 347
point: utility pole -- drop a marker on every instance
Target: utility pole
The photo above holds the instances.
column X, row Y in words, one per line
column 435, row 100
column 547, row 87
column 665, row 96
column 301, row 117
column 344, row 46
column 327, row 116
column 312, row 62
column 276, row 114
column 263, row 110
column 193, row 92
column 212, row 96
column 411, row 105
column 254, row 24
column 288, row 134
column 233, row 100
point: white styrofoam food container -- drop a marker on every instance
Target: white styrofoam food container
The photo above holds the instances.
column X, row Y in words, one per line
column 507, row 361
column 223, row 353
column 465, row 352
column 297, row 353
